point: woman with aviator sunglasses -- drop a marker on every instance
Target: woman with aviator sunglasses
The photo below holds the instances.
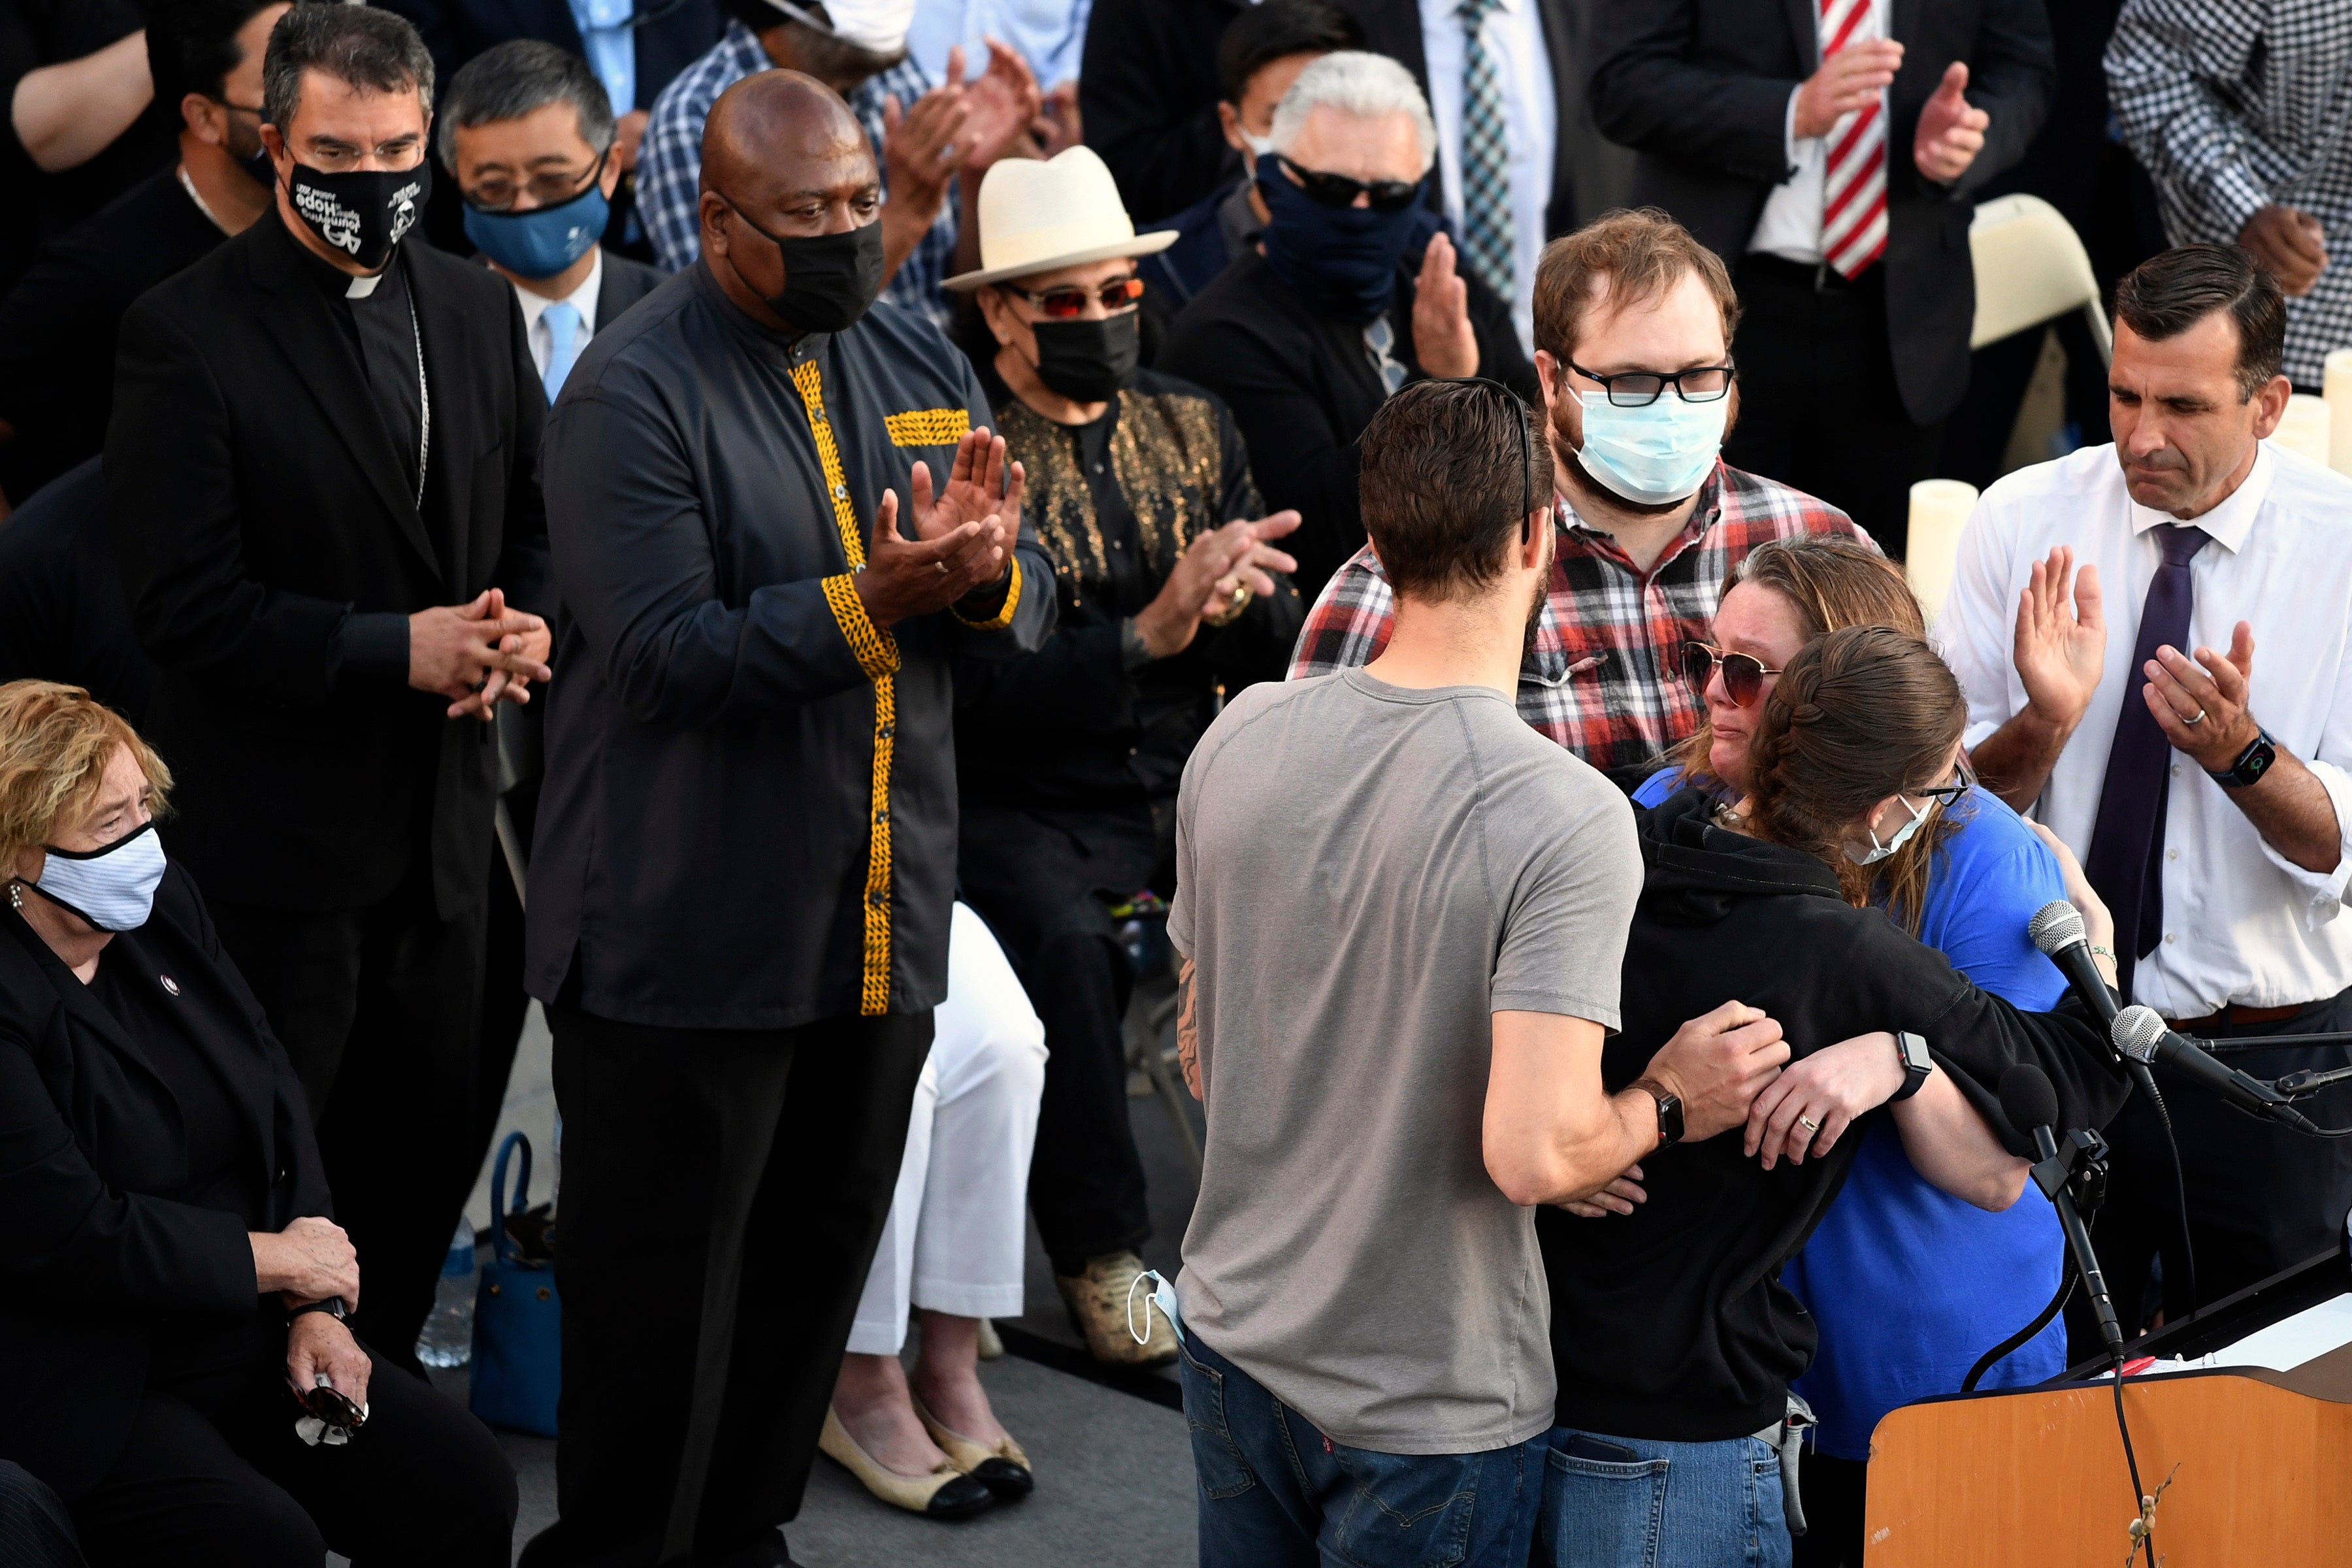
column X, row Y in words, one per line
column 1907, row 1283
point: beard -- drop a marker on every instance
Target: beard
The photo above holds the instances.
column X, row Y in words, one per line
column 1566, row 449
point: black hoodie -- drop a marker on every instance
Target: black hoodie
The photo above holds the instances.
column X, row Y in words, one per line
column 1672, row 1323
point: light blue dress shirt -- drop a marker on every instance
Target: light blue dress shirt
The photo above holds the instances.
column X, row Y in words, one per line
column 612, row 47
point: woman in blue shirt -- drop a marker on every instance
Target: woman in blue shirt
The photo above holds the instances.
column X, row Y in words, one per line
column 1908, row 1284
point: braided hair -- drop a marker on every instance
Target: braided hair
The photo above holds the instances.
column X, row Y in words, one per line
column 1860, row 714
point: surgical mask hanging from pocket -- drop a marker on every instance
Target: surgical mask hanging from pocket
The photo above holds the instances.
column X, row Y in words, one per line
column 1163, row 1295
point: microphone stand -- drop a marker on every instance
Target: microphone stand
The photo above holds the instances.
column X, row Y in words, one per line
column 2074, row 1177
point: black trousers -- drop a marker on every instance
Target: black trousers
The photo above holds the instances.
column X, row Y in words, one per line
column 380, row 1009
column 1819, row 408
column 723, row 1192
column 1040, row 879
column 2262, row 1198
column 35, row 1531
column 223, row 1479
column 1832, row 1493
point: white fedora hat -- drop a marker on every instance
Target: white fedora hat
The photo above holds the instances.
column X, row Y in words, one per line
column 1035, row 217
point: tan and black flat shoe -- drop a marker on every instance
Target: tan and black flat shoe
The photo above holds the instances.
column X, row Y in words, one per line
column 1002, row 1469
column 946, row 1493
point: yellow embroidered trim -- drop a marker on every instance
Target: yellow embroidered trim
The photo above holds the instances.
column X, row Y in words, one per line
column 1004, row 617
column 929, row 426
column 877, row 655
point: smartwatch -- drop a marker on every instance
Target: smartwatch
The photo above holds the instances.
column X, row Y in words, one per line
column 332, row 1306
column 1916, row 1064
column 2251, row 764
column 1670, row 1110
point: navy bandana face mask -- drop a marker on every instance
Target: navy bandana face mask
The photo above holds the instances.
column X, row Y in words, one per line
column 1342, row 261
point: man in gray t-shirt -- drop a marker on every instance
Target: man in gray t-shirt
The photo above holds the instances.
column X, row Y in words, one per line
column 1401, row 914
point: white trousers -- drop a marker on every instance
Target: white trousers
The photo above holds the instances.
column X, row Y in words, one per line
column 955, row 1240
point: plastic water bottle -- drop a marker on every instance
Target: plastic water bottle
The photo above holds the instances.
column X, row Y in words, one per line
column 448, row 1336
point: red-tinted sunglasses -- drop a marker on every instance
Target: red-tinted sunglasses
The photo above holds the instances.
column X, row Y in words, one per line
column 1743, row 675
column 1069, row 301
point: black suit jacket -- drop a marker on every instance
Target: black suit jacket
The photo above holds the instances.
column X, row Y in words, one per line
column 61, row 611
column 254, row 503
column 625, row 283
column 458, row 30
column 91, row 1135
column 1302, row 389
column 1700, row 88
column 57, row 326
column 1588, row 176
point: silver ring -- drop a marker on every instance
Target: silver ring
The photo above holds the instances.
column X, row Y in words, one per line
column 943, row 567
column 1809, row 1124
column 2196, row 718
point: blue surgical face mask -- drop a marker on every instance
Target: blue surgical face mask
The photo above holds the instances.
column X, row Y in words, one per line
column 540, row 242
column 1342, row 261
column 1652, row 455
column 113, row 889
column 1877, row 851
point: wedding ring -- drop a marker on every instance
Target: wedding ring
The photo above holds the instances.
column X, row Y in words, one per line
column 2196, row 718
column 943, row 567
column 1809, row 1124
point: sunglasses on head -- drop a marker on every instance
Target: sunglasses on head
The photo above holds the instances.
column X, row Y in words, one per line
column 1342, row 190
column 1743, row 675
column 1068, row 301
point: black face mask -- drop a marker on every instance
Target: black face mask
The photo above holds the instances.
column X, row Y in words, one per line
column 830, row 280
column 262, row 167
column 1089, row 362
column 362, row 212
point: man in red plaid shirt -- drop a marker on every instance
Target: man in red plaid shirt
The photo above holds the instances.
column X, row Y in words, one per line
column 1633, row 321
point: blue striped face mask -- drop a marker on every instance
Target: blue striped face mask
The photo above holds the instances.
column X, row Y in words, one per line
column 113, row 889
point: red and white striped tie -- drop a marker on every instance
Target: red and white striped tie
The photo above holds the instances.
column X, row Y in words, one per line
column 1854, row 193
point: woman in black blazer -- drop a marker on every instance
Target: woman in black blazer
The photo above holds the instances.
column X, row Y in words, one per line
column 165, row 1237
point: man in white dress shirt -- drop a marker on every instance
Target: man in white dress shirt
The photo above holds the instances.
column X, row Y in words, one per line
column 529, row 132
column 2208, row 798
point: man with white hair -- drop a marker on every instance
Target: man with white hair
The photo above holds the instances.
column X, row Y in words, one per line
column 1354, row 293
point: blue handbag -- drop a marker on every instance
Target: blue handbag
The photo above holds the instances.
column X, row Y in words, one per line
column 518, row 1318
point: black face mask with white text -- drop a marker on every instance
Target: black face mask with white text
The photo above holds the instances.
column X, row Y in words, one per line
column 362, row 212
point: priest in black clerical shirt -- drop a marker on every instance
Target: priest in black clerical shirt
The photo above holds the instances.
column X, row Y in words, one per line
column 777, row 515
column 322, row 499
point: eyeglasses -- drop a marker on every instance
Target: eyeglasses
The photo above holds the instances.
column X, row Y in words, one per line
column 1639, row 388
column 1342, row 190
column 1068, row 301
column 1964, row 779
column 549, row 188
column 1743, row 675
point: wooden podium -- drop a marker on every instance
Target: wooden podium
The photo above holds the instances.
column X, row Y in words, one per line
column 2261, row 1459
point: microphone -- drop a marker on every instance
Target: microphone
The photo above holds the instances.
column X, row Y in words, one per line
column 2058, row 930
column 2032, row 1106
column 2141, row 1036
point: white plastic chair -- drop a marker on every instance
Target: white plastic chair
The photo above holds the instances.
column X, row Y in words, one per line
column 2031, row 266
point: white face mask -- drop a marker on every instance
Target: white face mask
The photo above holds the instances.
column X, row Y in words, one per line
column 114, row 888
column 1877, row 851
column 1259, row 146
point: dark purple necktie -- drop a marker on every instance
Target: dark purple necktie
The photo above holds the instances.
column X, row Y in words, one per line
column 2126, row 859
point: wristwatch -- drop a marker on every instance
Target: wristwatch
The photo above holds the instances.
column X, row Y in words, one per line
column 332, row 1306
column 2251, row 764
column 1670, row 1110
column 1916, row 1064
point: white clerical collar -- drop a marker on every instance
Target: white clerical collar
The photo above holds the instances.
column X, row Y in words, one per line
column 360, row 288
column 2228, row 523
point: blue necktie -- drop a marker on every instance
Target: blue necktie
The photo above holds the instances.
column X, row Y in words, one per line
column 562, row 319
column 2126, row 859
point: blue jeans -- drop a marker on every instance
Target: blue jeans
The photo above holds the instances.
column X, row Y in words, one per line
column 1631, row 1503
column 1276, row 1493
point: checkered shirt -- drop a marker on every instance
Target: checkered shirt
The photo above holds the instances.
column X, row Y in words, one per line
column 669, row 164
column 1603, row 676
column 2232, row 105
